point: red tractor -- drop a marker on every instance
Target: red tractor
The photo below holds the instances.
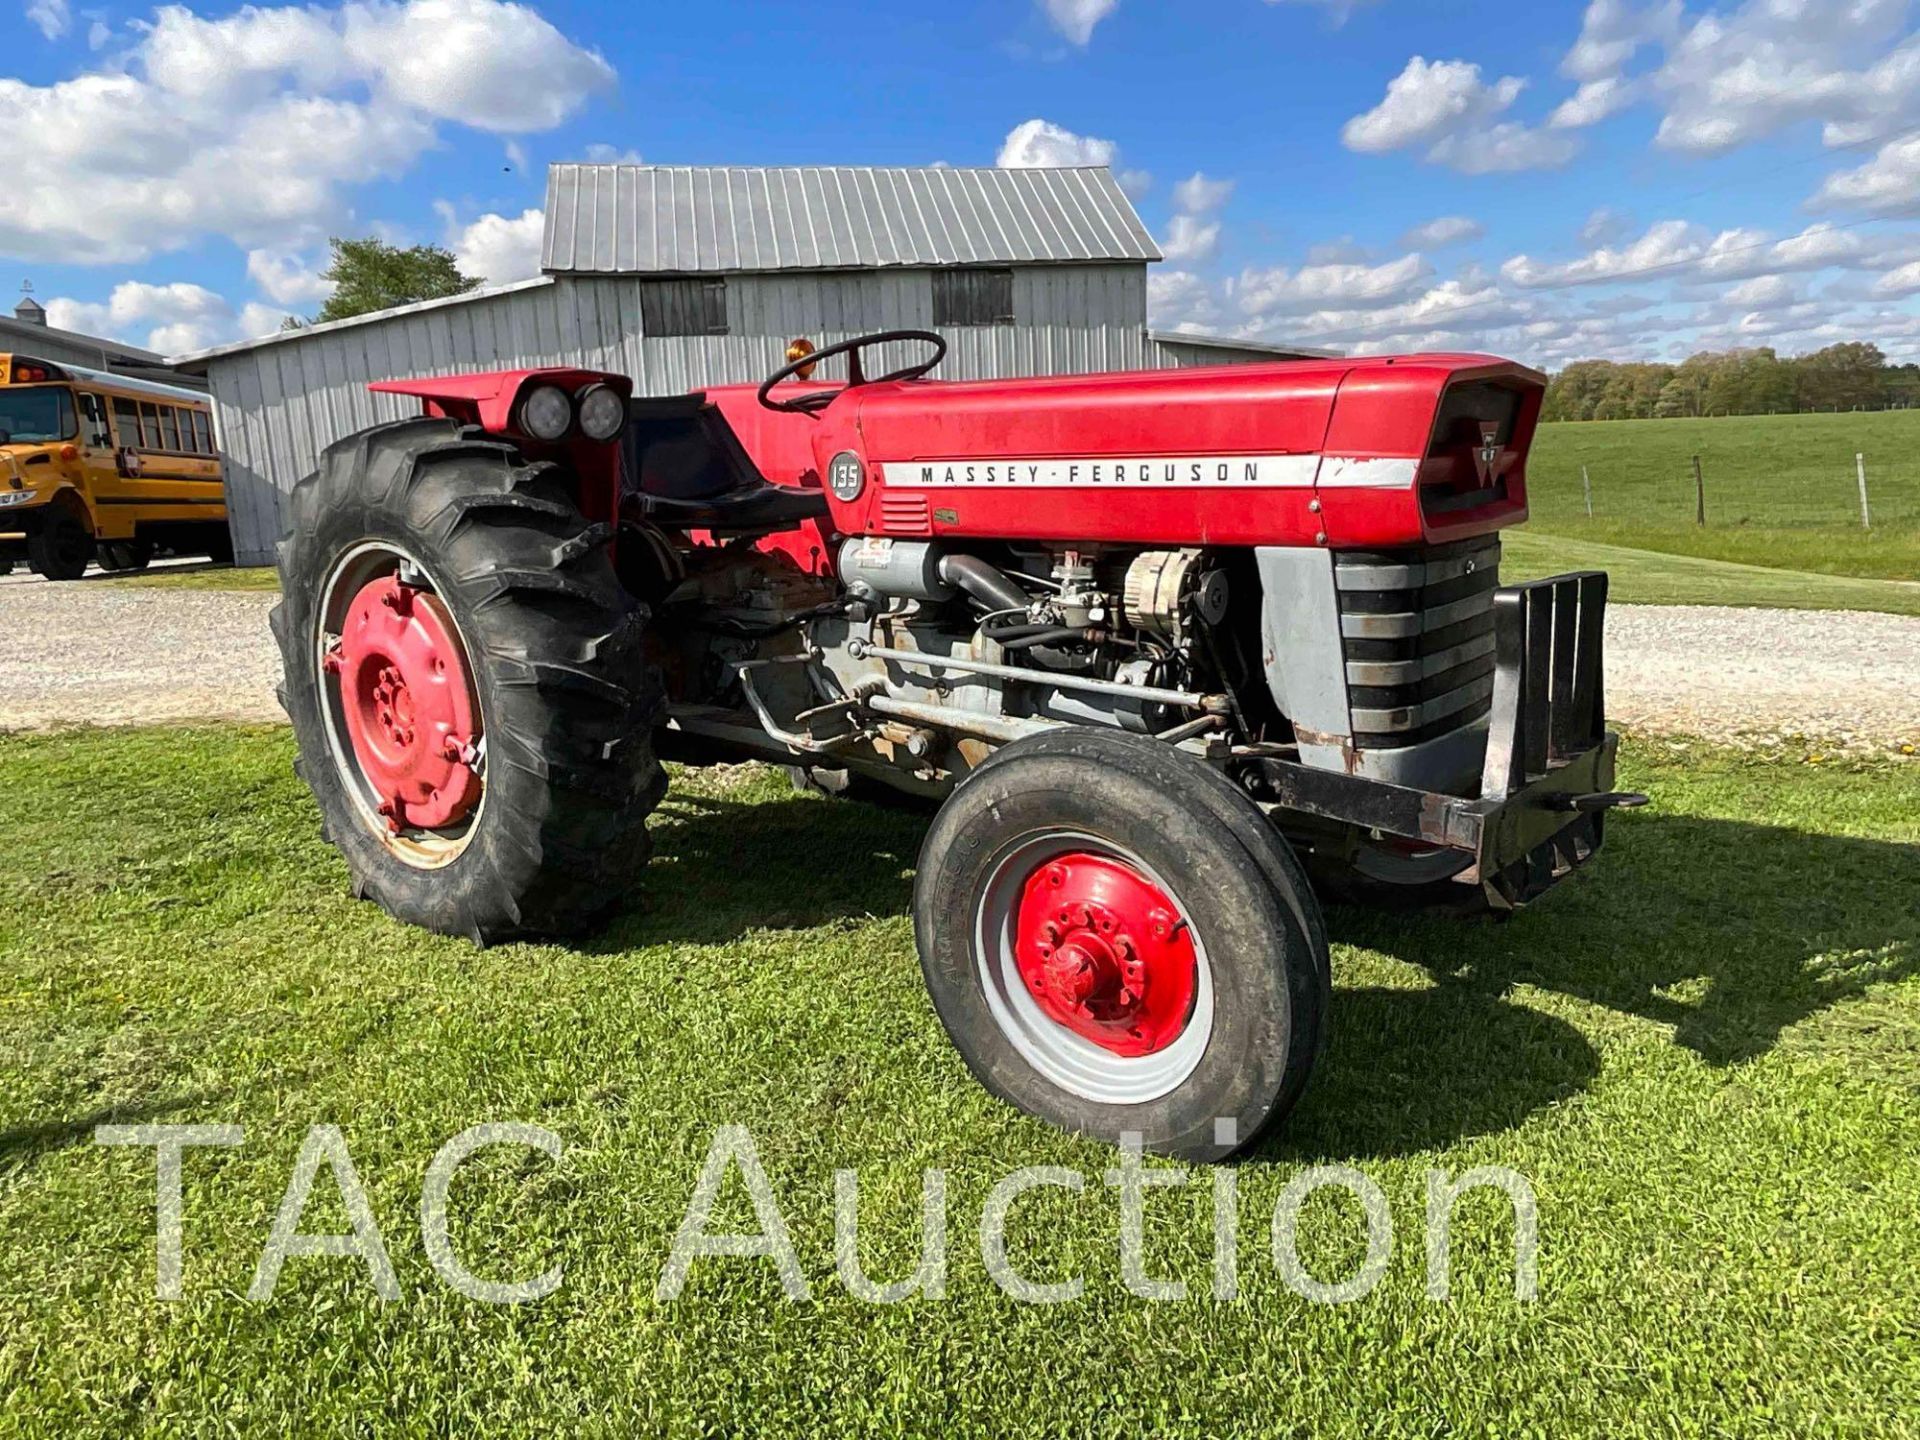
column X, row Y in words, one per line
column 1161, row 645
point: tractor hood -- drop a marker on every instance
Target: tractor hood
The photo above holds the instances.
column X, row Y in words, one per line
column 1343, row 453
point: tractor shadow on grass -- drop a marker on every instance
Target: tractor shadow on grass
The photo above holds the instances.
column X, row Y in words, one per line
column 1728, row 932
column 23, row 1144
column 722, row 868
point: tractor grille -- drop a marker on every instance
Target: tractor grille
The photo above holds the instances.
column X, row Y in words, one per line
column 1417, row 630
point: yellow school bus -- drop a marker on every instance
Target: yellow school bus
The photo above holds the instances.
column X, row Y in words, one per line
column 101, row 467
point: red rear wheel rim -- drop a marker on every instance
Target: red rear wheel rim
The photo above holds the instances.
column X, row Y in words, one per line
column 1104, row 952
column 404, row 691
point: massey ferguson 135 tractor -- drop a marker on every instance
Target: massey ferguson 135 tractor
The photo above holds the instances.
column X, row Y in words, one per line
column 1161, row 643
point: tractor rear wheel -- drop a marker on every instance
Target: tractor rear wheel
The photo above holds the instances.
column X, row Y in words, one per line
column 464, row 677
column 1117, row 941
column 62, row 547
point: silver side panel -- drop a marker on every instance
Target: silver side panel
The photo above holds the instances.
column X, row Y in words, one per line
column 1300, row 647
column 1340, row 719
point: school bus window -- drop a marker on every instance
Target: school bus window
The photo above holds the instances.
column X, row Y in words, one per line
column 149, row 427
column 37, row 414
column 203, row 432
column 169, row 427
column 126, row 423
column 93, row 418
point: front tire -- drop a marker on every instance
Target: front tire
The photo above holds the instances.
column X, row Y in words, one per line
column 464, row 677
column 1117, row 942
column 62, row 547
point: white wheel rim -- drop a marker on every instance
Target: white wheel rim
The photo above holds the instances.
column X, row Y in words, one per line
column 1070, row 1061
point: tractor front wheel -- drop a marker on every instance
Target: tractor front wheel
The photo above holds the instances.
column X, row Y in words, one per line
column 1117, row 941
column 464, row 677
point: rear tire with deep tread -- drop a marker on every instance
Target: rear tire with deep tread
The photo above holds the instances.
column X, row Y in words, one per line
column 567, row 703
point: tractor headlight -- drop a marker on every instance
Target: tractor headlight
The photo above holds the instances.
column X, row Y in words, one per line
column 546, row 413
column 603, row 414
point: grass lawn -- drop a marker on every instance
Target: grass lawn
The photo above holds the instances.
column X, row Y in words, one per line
column 203, row 577
column 1644, row 577
column 1704, row 1055
column 1782, row 490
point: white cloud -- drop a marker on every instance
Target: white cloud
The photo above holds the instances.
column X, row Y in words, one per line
column 287, row 278
column 1680, row 248
column 50, row 17
column 490, row 64
column 1727, row 77
column 1179, row 299
column 1502, row 149
column 1591, row 103
column 1606, row 226
column 171, row 318
column 255, row 125
column 1427, row 102
column 1887, row 183
column 501, row 248
column 1446, row 109
column 98, row 34
column 1040, row 144
column 1075, row 19
column 1439, row 234
column 1199, row 195
column 1903, row 281
column 1764, row 291
column 612, row 155
column 1191, row 240
column 1344, row 251
column 1611, row 32
column 1281, row 291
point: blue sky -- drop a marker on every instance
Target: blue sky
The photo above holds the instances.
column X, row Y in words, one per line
column 1627, row 178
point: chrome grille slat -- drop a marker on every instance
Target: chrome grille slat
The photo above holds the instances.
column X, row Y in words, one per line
column 1415, row 622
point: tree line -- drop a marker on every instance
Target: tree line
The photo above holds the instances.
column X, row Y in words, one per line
column 1851, row 376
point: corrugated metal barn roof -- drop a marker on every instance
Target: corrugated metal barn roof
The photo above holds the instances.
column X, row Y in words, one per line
column 626, row 219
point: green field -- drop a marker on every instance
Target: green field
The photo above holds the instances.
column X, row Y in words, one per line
column 1646, row 577
column 1704, row 1055
column 1782, row 491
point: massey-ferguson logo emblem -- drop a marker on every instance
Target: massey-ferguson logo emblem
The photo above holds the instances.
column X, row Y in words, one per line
column 1487, row 457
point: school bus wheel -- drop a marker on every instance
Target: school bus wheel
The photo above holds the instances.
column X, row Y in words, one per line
column 126, row 554
column 61, row 546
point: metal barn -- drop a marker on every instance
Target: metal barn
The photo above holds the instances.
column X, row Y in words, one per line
column 685, row 278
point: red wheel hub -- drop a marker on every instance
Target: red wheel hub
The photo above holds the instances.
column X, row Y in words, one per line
column 1104, row 952
column 409, row 705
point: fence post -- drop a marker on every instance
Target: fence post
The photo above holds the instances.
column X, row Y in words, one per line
column 1699, row 494
column 1866, row 515
column 1586, row 484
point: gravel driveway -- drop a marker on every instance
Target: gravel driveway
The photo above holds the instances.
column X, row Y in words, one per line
column 88, row 652
column 105, row 654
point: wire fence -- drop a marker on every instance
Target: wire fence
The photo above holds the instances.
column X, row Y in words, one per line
column 1789, row 472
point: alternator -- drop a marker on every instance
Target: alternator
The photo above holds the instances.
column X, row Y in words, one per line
column 1161, row 583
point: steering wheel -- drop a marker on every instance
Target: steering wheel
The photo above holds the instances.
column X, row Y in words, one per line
column 815, row 401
